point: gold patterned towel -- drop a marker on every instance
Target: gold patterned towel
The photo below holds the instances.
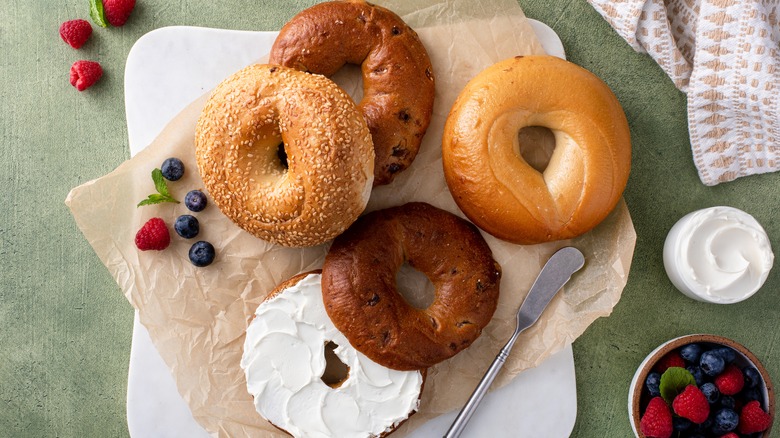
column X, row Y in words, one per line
column 724, row 54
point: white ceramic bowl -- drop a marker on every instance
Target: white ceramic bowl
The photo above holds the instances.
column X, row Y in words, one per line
column 718, row 255
column 637, row 398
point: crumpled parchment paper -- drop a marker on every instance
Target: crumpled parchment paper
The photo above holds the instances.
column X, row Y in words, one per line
column 196, row 317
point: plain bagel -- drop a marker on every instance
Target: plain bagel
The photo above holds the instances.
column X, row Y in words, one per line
column 497, row 189
column 398, row 84
column 256, row 117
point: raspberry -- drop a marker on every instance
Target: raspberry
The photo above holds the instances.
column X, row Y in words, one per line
column 753, row 419
column 118, row 11
column 730, row 435
column 730, row 381
column 692, row 404
column 672, row 359
column 153, row 235
column 657, row 420
column 75, row 32
column 83, row 74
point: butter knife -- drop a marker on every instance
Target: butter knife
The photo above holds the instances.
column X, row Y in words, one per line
column 555, row 273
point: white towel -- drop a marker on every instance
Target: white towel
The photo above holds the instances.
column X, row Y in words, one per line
column 725, row 55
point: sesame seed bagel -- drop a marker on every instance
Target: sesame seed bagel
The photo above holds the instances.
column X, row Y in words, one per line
column 398, row 83
column 359, row 285
column 491, row 181
column 251, row 121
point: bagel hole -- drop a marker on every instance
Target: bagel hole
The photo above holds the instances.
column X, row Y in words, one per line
column 350, row 79
column 281, row 154
column 260, row 161
column 536, row 145
column 415, row 287
column 336, row 371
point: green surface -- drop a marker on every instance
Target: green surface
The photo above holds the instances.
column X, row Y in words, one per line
column 65, row 327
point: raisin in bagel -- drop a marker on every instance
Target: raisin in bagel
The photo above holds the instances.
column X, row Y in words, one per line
column 497, row 189
column 328, row 176
column 359, row 285
column 284, row 362
column 398, row 84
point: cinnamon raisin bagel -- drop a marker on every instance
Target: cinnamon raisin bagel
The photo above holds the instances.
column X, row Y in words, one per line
column 256, row 117
column 285, row 364
column 492, row 183
column 359, row 285
column 398, row 84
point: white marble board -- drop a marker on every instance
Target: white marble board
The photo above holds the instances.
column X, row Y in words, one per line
column 170, row 67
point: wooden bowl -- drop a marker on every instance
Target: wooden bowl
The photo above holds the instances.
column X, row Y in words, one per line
column 638, row 399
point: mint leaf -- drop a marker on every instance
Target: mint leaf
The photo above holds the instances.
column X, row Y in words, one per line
column 673, row 381
column 159, row 182
column 155, row 198
column 162, row 195
column 97, row 13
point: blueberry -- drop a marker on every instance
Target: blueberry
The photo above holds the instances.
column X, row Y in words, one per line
column 652, row 384
column 711, row 392
column 727, row 401
column 186, row 226
column 712, row 364
column 195, row 200
column 172, row 169
column 680, row 424
column 697, row 374
column 752, row 394
column 704, row 427
column 752, row 377
column 728, row 354
column 691, row 352
column 725, row 421
column 202, row 253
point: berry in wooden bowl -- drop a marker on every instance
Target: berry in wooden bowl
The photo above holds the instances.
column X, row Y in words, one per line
column 701, row 386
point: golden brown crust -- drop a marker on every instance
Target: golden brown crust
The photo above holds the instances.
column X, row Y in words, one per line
column 292, row 282
column 493, row 184
column 358, row 285
column 329, row 155
column 398, row 82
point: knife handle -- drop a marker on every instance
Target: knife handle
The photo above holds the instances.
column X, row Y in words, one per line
column 476, row 397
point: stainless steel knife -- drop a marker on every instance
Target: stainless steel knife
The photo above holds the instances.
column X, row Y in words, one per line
column 555, row 273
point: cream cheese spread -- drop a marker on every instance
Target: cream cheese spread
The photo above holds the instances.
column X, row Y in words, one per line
column 284, row 360
column 718, row 254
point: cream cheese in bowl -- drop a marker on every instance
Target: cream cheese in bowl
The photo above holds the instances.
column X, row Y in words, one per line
column 718, row 255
